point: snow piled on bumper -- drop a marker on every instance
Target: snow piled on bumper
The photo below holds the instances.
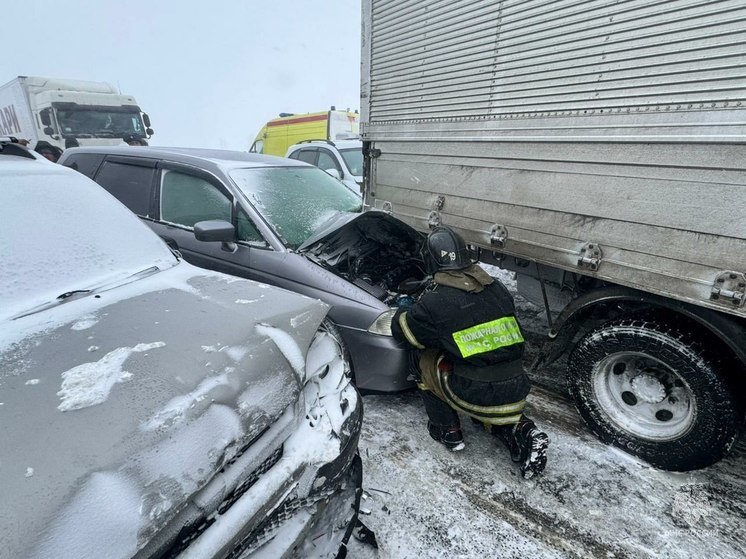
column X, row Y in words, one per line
column 321, row 438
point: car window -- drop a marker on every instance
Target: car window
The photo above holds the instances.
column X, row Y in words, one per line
column 86, row 163
column 307, row 156
column 130, row 184
column 186, row 200
column 326, row 161
column 258, row 147
column 354, row 160
column 246, row 231
column 295, row 201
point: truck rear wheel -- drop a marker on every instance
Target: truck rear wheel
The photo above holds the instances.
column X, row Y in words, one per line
column 655, row 391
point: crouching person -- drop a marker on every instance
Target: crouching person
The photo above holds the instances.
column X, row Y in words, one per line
column 469, row 359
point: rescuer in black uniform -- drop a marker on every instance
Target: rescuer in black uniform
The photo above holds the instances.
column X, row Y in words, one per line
column 470, row 347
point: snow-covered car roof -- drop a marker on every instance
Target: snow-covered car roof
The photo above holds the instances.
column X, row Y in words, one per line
column 224, row 160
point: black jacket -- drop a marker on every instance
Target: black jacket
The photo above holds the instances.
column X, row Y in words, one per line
column 476, row 329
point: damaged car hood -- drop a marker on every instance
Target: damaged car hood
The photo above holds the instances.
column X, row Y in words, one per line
column 351, row 226
column 134, row 399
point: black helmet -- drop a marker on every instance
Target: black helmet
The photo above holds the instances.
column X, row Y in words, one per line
column 444, row 249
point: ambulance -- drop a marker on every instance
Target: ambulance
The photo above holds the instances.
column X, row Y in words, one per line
column 280, row 133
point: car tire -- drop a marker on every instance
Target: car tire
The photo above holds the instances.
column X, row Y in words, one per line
column 655, row 391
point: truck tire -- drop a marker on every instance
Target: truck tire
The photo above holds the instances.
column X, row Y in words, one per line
column 655, row 391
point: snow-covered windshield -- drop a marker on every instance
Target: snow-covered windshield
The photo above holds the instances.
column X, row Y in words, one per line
column 295, row 200
column 354, row 159
column 60, row 232
column 100, row 122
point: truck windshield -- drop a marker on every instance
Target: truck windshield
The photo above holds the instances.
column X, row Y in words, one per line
column 354, row 159
column 295, row 200
column 99, row 122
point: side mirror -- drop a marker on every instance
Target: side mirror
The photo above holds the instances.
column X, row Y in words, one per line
column 146, row 119
column 48, row 131
column 214, row 230
column 46, row 119
column 149, row 132
column 333, row 172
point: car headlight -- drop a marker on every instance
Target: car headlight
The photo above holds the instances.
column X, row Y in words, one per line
column 382, row 324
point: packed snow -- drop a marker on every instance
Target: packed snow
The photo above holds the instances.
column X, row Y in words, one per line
column 592, row 501
column 314, row 443
column 89, row 384
column 173, row 412
column 286, row 344
column 84, row 322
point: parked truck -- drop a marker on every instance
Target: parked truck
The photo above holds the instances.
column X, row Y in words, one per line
column 67, row 113
column 597, row 149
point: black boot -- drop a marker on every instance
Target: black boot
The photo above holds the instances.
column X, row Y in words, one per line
column 450, row 436
column 527, row 445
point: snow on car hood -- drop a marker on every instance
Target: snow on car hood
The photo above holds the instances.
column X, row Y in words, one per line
column 373, row 223
column 116, row 408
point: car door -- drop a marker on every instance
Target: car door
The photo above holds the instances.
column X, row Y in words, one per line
column 307, row 155
column 85, row 163
column 131, row 180
column 327, row 162
column 186, row 196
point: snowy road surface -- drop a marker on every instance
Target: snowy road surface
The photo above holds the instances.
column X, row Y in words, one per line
column 592, row 501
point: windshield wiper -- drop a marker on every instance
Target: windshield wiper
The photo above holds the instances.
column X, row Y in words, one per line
column 67, row 295
column 71, row 293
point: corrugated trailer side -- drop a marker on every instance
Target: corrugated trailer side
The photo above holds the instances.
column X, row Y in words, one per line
column 542, row 127
column 602, row 141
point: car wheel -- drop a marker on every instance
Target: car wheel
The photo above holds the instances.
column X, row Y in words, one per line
column 654, row 390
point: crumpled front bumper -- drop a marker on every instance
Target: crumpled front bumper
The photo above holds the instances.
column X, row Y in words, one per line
column 304, row 494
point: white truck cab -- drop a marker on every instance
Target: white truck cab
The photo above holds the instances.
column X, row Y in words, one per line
column 67, row 113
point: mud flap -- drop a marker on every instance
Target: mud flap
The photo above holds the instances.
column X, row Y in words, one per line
column 357, row 473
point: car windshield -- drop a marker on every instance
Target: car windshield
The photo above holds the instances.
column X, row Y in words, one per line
column 354, row 159
column 295, row 200
column 99, row 123
column 61, row 233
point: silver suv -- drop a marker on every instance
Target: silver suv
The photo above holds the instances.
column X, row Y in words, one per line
column 152, row 408
column 342, row 159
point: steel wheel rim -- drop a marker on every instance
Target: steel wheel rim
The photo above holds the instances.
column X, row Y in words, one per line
column 643, row 396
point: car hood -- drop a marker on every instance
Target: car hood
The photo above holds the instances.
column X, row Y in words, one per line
column 136, row 398
column 372, row 223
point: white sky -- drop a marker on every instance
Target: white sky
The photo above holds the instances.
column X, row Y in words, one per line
column 209, row 74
